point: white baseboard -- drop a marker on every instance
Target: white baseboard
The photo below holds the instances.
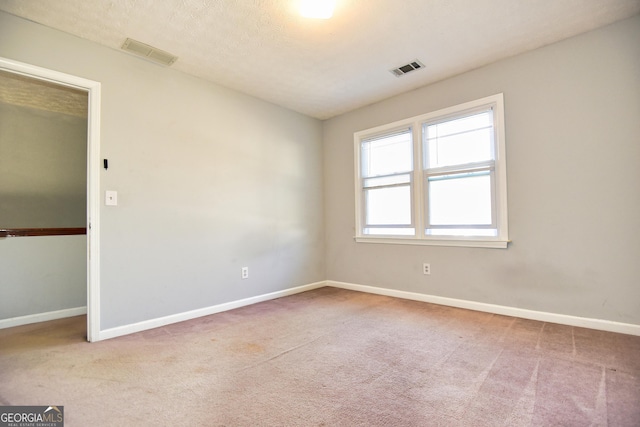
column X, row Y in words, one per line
column 42, row 317
column 181, row 317
column 563, row 319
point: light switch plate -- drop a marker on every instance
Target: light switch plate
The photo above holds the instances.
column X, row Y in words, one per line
column 111, row 198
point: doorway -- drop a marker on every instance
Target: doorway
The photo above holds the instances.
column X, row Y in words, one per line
column 52, row 79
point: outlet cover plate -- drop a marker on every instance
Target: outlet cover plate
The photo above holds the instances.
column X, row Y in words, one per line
column 426, row 268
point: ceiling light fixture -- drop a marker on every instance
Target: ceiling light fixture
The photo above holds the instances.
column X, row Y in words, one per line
column 317, row 9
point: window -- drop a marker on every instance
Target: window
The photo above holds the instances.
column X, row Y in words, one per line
column 437, row 179
column 387, row 184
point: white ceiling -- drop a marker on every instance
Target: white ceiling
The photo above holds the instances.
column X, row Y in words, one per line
column 325, row 68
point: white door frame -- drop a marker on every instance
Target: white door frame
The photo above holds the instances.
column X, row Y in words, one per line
column 93, row 178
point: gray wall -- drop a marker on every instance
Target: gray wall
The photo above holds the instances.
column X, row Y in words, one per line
column 211, row 180
column 208, row 180
column 43, row 158
column 573, row 150
column 43, row 168
column 42, row 274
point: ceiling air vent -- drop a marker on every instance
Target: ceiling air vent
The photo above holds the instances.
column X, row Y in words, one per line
column 149, row 52
column 412, row 66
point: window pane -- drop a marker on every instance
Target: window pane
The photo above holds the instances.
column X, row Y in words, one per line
column 387, row 155
column 388, row 206
column 485, row 232
column 387, row 180
column 462, row 199
column 408, row 231
column 465, row 140
column 464, row 124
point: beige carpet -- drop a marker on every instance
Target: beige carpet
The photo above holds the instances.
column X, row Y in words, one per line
column 329, row 357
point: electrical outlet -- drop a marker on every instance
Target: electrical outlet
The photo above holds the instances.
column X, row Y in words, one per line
column 245, row 272
column 426, row 268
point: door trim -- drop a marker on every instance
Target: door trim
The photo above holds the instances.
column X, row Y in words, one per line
column 93, row 90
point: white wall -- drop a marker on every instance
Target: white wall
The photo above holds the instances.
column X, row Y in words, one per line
column 208, row 180
column 573, row 152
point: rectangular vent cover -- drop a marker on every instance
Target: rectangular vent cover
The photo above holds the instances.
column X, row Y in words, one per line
column 412, row 66
column 149, row 52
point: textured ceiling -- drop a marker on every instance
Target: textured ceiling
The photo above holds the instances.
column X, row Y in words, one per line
column 22, row 91
column 324, row 68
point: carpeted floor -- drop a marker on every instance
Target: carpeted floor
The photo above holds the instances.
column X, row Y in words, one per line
column 329, row 357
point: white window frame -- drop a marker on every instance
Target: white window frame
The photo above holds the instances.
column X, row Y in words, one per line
column 497, row 168
column 410, row 184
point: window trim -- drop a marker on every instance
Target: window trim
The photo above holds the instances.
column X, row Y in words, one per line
column 391, row 131
column 420, row 176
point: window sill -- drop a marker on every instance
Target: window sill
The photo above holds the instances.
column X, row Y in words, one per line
column 468, row 243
